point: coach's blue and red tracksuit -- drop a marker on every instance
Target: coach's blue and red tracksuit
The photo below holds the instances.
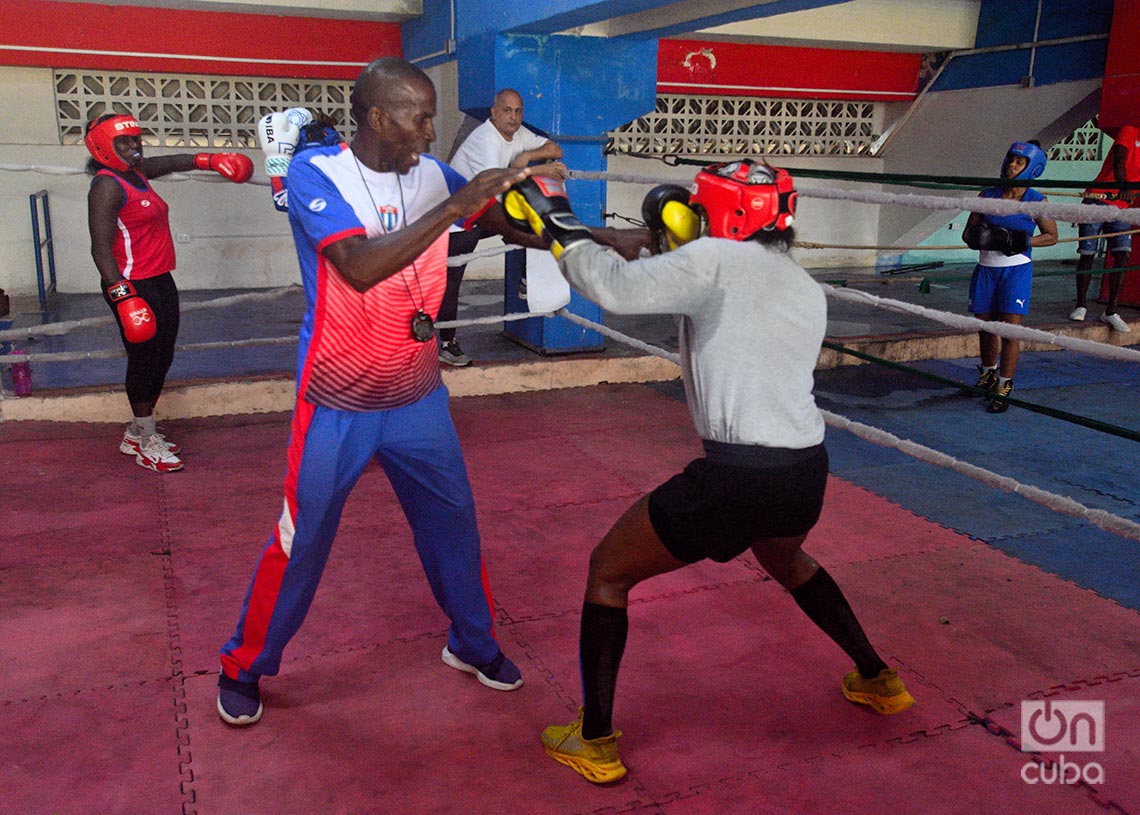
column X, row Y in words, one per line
column 366, row 388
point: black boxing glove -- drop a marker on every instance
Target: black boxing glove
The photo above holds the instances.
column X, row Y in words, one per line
column 984, row 236
column 1018, row 243
column 539, row 204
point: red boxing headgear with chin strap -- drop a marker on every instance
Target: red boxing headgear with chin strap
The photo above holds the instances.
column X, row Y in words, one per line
column 741, row 198
column 100, row 139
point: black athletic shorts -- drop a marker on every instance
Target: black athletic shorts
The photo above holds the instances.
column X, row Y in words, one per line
column 737, row 494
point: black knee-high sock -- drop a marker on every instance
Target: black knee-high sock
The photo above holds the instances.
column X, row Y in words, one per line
column 600, row 647
column 825, row 605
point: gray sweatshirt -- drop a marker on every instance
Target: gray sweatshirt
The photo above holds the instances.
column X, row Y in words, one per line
column 751, row 324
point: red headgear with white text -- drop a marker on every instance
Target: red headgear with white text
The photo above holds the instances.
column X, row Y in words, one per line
column 100, row 140
column 741, row 198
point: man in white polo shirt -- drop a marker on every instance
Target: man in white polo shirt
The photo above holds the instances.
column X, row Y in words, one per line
column 501, row 141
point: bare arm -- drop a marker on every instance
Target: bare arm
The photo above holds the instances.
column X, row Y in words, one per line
column 364, row 262
column 104, row 200
column 549, row 151
column 1048, row 228
column 158, row 166
column 1120, row 172
column 626, row 242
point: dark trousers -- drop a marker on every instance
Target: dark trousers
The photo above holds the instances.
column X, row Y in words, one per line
column 458, row 243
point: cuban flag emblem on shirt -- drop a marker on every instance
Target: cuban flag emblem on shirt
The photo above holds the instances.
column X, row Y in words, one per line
column 389, row 219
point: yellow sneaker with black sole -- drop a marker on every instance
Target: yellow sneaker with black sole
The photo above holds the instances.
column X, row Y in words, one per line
column 987, row 379
column 595, row 760
column 885, row 693
column 997, row 397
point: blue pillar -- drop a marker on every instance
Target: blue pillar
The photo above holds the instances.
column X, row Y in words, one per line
column 575, row 89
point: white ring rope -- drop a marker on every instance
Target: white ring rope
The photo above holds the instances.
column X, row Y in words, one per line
column 1073, row 213
column 494, row 251
column 617, row 335
column 56, row 329
column 1007, row 330
column 46, row 169
column 112, row 353
column 1059, row 503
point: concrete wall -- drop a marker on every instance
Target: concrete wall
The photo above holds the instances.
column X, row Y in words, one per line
column 227, row 235
column 232, row 236
column 966, row 132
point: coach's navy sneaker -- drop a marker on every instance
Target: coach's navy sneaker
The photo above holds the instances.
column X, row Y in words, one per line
column 500, row 673
column 239, row 703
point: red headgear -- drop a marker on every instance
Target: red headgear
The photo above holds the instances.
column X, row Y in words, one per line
column 100, row 140
column 741, row 198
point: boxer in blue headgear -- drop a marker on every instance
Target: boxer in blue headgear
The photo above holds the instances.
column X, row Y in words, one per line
column 1034, row 160
column 1003, row 278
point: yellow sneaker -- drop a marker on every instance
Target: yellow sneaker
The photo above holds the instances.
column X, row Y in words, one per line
column 885, row 693
column 997, row 397
column 595, row 760
column 987, row 379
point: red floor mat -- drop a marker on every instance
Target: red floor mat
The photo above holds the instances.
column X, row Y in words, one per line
column 108, row 750
column 115, row 597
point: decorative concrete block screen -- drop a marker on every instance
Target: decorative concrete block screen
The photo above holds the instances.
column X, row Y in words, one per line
column 188, row 111
column 749, row 125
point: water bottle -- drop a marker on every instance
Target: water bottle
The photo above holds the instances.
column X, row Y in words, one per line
column 21, row 377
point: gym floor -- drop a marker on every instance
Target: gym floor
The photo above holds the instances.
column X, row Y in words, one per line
column 117, row 587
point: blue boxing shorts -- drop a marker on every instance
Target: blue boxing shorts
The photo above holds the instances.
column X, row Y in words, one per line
column 1001, row 289
column 737, row 495
column 1090, row 233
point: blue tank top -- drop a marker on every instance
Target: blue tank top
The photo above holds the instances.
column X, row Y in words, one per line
column 1019, row 221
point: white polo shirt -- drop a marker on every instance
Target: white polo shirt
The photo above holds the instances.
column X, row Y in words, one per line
column 486, row 148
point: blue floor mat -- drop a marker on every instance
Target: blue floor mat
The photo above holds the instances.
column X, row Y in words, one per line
column 1092, row 467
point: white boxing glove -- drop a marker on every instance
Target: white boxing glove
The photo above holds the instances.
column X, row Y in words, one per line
column 278, row 134
column 300, row 116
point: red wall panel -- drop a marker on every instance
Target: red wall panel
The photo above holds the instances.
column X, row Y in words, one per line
column 42, row 33
column 734, row 69
column 1120, row 96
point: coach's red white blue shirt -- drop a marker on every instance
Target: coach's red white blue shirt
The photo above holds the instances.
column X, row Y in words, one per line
column 356, row 350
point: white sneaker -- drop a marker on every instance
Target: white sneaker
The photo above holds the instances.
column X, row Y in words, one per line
column 1078, row 314
column 132, row 443
column 155, row 455
column 1116, row 322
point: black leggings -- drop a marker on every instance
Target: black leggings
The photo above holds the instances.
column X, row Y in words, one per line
column 148, row 362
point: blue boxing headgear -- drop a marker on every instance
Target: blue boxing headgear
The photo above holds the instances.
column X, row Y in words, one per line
column 1033, row 154
column 316, row 134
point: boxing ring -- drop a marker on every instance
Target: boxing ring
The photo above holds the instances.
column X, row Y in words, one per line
column 994, row 560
